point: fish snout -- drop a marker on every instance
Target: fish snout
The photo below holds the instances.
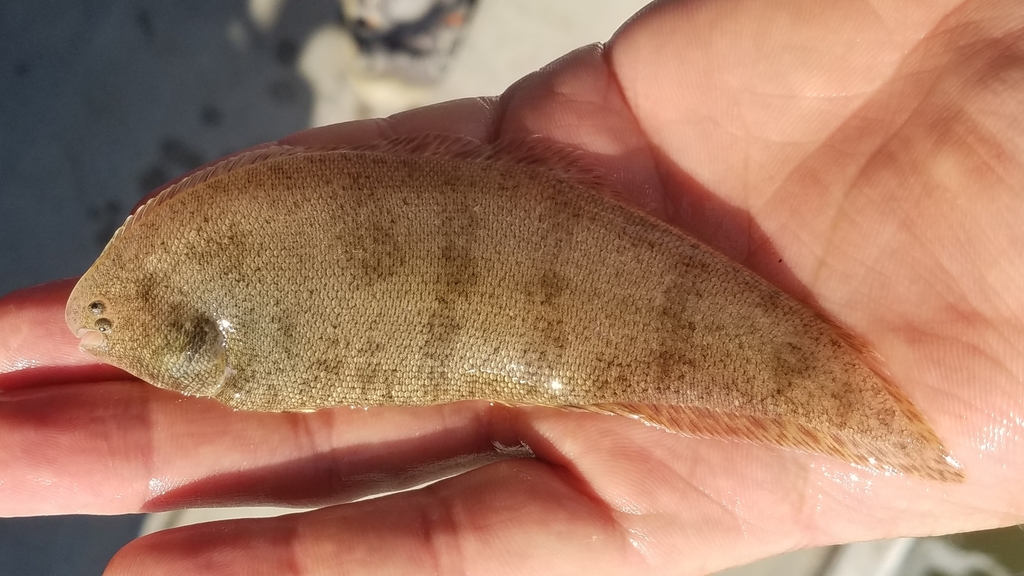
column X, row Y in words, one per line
column 87, row 319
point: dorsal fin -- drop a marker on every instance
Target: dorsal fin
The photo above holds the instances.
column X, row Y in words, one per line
column 198, row 177
column 423, row 144
column 930, row 460
column 532, row 151
column 227, row 165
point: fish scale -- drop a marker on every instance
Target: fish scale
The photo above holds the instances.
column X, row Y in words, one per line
column 435, row 269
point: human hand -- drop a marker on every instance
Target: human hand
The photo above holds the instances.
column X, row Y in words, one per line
column 870, row 160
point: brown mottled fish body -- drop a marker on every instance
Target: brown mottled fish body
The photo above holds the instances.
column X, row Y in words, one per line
column 418, row 272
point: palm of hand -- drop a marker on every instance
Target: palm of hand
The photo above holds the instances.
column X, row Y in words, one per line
column 869, row 161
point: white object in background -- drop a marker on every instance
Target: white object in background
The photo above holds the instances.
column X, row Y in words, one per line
column 911, row 557
column 938, row 556
column 175, row 518
column 807, row 562
column 503, row 42
column 876, row 558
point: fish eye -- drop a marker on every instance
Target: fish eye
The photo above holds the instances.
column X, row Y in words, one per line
column 103, row 325
column 97, row 308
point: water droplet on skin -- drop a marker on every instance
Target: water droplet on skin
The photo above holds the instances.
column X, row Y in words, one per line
column 158, row 486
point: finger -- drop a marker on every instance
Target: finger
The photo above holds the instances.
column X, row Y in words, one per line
column 117, row 448
column 517, row 517
column 514, row 518
column 577, row 101
column 124, row 447
column 737, row 93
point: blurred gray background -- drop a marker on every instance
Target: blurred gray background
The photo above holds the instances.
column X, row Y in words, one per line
column 102, row 101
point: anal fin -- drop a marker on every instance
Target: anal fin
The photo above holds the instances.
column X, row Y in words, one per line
column 918, row 457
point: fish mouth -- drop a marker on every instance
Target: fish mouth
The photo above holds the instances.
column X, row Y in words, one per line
column 73, row 311
column 77, row 320
column 90, row 340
